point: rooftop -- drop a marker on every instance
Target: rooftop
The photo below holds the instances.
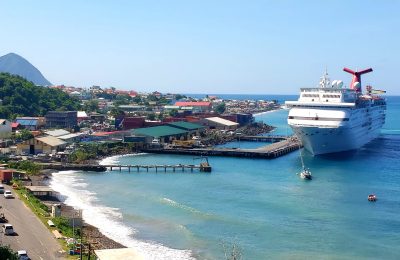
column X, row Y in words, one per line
column 27, row 122
column 192, row 104
column 222, row 121
column 51, row 140
column 57, row 132
column 185, row 125
column 159, row 131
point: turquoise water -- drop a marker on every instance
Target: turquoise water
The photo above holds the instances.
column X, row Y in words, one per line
column 260, row 205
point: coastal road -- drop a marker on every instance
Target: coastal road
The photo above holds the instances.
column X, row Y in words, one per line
column 32, row 235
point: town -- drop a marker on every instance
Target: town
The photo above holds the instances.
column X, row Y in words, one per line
column 90, row 124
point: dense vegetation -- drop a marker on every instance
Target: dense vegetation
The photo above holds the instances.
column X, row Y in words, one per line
column 20, row 97
column 90, row 151
column 31, row 168
column 7, row 253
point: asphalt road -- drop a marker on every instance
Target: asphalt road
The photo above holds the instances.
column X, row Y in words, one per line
column 31, row 233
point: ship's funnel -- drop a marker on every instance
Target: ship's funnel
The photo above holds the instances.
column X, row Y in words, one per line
column 356, row 81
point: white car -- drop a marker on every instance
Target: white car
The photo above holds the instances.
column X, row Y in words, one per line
column 8, row 229
column 23, row 255
column 8, row 194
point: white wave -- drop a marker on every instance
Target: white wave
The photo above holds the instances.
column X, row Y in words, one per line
column 109, row 220
column 265, row 112
column 181, row 206
column 115, row 159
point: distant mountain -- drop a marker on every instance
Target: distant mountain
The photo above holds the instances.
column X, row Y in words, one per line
column 15, row 64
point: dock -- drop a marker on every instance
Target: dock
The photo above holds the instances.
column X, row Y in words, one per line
column 258, row 138
column 161, row 168
column 272, row 151
column 202, row 167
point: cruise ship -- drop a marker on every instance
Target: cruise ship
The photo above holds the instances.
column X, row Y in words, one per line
column 332, row 118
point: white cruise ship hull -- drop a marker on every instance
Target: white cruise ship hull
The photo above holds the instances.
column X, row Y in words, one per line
column 333, row 135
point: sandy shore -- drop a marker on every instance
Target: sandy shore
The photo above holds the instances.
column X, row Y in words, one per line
column 90, row 233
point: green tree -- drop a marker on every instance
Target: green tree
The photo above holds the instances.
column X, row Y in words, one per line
column 24, row 135
column 91, row 105
column 220, row 108
column 23, row 98
column 151, row 116
column 179, row 96
column 116, row 111
column 173, row 112
column 7, row 253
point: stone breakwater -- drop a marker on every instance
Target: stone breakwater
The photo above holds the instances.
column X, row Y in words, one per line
column 213, row 137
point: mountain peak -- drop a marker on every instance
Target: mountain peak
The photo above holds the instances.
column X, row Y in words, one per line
column 18, row 65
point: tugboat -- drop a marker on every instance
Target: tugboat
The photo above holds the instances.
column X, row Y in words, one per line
column 372, row 197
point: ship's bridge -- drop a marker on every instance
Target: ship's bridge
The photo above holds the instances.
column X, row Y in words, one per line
column 327, row 95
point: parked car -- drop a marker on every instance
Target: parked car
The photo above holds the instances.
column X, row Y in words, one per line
column 23, row 255
column 1, row 189
column 8, row 229
column 8, row 194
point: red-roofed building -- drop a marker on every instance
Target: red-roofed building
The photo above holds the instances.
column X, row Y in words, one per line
column 15, row 126
column 197, row 106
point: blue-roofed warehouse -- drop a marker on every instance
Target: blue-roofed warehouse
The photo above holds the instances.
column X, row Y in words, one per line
column 31, row 123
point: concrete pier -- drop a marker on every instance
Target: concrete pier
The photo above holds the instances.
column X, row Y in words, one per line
column 271, row 151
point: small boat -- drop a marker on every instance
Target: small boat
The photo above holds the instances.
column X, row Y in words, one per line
column 372, row 197
column 306, row 174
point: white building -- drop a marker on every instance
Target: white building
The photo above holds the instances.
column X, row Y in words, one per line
column 5, row 129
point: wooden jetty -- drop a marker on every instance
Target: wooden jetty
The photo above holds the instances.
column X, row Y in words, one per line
column 203, row 167
column 178, row 167
column 271, row 151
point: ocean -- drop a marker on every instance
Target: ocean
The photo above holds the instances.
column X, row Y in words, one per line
column 259, row 206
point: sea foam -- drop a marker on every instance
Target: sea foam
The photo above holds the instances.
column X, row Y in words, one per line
column 115, row 159
column 108, row 220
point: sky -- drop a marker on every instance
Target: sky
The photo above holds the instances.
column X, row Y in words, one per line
column 243, row 47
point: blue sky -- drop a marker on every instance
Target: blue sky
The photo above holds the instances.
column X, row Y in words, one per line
column 266, row 47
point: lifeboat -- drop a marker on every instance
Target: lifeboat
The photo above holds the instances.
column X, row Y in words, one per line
column 371, row 197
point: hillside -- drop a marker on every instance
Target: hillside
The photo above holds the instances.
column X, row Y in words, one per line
column 20, row 97
column 17, row 65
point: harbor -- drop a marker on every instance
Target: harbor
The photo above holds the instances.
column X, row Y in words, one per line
column 274, row 150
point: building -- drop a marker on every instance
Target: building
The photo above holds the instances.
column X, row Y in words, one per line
column 31, row 123
column 5, row 129
column 61, row 119
column 44, row 144
column 82, row 116
column 195, row 106
column 244, row 119
column 129, row 122
column 109, row 136
column 57, row 132
column 164, row 133
column 219, row 123
column 191, row 128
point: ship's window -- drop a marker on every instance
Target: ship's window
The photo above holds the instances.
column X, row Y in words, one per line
column 327, row 100
column 312, row 99
column 291, row 117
